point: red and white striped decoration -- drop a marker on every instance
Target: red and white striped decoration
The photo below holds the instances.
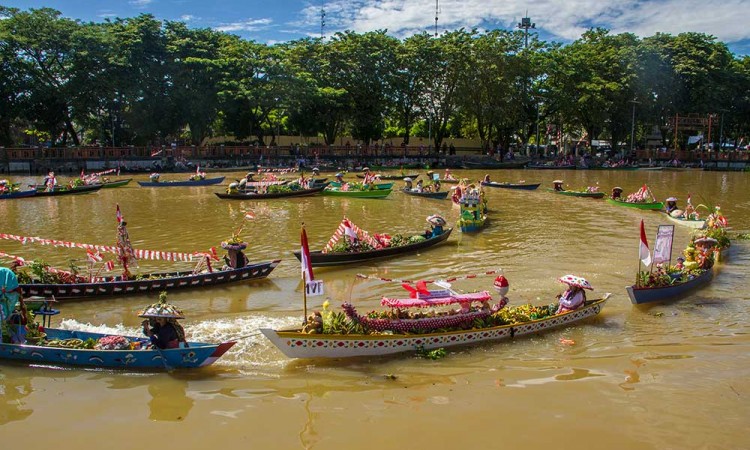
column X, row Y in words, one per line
column 449, row 280
column 342, row 230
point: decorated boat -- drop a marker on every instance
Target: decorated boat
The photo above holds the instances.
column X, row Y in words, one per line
column 350, row 244
column 697, row 224
column 440, row 195
column 65, row 350
column 649, row 294
column 374, row 185
column 589, row 192
column 473, row 206
column 689, row 217
column 391, row 176
column 552, row 166
column 494, row 164
column 343, row 191
column 522, row 186
column 115, row 183
column 254, row 195
column 642, row 199
column 17, row 194
column 67, row 190
column 199, row 182
column 45, row 281
column 349, row 338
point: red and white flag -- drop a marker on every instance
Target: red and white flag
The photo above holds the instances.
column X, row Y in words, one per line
column 307, row 271
column 349, row 231
column 93, row 257
column 119, row 215
column 689, row 200
column 109, row 265
column 249, row 215
column 643, row 251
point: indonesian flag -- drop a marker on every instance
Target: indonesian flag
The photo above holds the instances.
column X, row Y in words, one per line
column 83, row 175
column 119, row 215
column 643, row 252
column 198, row 170
column 307, row 271
column 349, row 231
column 93, row 257
column 689, row 200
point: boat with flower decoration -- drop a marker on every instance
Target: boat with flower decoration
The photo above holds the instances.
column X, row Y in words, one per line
column 195, row 180
column 350, row 244
column 10, row 190
column 642, row 199
column 473, row 205
column 330, row 334
column 589, row 192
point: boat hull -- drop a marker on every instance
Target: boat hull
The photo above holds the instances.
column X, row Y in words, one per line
column 646, row 206
column 413, row 176
column 19, row 194
column 318, row 258
column 578, row 193
column 254, row 196
column 116, row 183
column 521, row 186
column 695, row 224
column 641, row 295
column 545, row 167
column 374, row 193
column 170, row 281
column 300, row 345
column 71, row 191
column 434, row 195
column 206, row 182
column 196, row 355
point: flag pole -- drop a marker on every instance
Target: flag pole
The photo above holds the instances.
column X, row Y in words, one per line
column 304, row 285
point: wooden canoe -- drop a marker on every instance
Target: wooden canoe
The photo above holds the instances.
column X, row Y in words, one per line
column 255, row 196
column 197, row 354
column 373, row 193
column 18, row 194
column 639, row 295
column 116, row 183
column 318, row 258
column 69, row 191
column 393, row 177
column 204, row 182
column 697, row 224
column 578, row 193
column 645, row 205
column 154, row 283
column 546, row 167
column 295, row 344
column 441, row 195
column 522, row 186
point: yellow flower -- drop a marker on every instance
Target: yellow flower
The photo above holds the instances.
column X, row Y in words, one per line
column 326, row 304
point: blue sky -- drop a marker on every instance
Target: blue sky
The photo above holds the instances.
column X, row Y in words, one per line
column 282, row 20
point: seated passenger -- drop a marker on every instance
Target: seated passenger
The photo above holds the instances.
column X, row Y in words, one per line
column 558, row 185
column 574, row 297
column 616, row 193
column 671, row 205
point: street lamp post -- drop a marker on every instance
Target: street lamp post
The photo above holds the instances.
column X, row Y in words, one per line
column 526, row 24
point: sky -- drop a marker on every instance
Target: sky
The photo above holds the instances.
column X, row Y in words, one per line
column 273, row 21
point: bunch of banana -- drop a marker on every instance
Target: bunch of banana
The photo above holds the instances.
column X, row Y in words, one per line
column 65, row 343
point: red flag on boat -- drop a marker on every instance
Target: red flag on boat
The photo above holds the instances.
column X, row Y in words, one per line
column 643, row 252
column 307, row 270
column 110, row 265
column 83, row 174
column 93, row 257
column 119, row 215
column 349, row 231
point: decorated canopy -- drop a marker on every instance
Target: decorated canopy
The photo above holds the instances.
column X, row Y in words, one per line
column 162, row 309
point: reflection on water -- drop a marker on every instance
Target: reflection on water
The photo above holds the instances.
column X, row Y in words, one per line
column 659, row 371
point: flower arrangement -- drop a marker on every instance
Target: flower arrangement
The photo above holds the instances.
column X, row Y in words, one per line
column 592, row 189
column 112, row 343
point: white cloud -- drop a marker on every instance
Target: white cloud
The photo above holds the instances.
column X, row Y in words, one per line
column 140, row 3
column 246, row 25
column 187, row 17
column 563, row 20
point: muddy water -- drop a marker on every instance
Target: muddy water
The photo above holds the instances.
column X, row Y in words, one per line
column 672, row 375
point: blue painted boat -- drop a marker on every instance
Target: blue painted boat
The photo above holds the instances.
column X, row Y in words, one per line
column 198, row 354
column 204, row 182
column 639, row 295
column 18, row 194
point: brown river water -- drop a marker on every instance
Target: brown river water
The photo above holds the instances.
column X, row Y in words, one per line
column 669, row 376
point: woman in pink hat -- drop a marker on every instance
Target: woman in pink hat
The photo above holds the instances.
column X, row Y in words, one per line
column 575, row 296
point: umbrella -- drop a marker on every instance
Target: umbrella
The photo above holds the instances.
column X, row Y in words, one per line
column 162, row 309
column 572, row 280
column 436, row 220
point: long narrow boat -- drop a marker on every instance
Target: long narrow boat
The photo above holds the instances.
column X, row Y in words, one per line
column 373, row 193
column 639, row 295
column 116, row 183
column 494, row 164
column 381, row 186
column 204, row 182
column 393, row 177
column 153, row 283
column 441, row 195
column 296, row 344
column 69, row 191
column 18, row 194
column 612, row 168
column 255, row 196
column 318, row 258
column 198, row 354
column 637, row 205
column 578, row 193
column 697, row 224
column 522, row 186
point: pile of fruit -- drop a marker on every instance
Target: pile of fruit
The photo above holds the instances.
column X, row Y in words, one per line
column 72, row 343
column 112, row 343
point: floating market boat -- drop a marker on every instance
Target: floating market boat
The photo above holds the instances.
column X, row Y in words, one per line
column 203, row 182
column 295, row 343
column 381, row 186
column 473, row 214
column 522, row 186
column 578, row 193
column 68, row 191
column 637, row 205
column 115, row 183
column 372, row 193
column 251, row 195
column 440, row 195
column 392, row 177
column 697, row 224
column 18, row 194
column 552, row 167
column 65, row 351
column 151, row 282
column 328, row 257
column 494, row 164
column 641, row 294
